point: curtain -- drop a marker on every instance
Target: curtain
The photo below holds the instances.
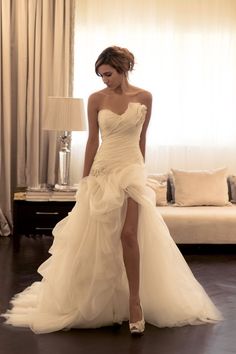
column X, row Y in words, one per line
column 185, row 55
column 5, row 119
column 36, row 47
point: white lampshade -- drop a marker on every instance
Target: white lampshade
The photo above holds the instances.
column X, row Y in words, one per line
column 64, row 114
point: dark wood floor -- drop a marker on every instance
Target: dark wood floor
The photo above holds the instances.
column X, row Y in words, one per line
column 216, row 272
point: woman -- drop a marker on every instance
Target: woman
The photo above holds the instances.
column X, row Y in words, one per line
column 96, row 276
column 113, row 66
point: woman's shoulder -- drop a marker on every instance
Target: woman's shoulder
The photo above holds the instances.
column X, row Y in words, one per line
column 144, row 96
column 141, row 93
column 97, row 95
column 95, row 98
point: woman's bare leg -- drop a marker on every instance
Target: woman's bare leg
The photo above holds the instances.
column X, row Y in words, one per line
column 131, row 258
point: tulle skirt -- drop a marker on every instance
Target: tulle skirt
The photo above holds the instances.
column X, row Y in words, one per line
column 84, row 283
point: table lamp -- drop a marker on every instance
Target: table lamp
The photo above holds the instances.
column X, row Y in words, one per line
column 65, row 114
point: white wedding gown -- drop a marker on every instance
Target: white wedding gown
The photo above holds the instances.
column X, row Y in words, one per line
column 84, row 283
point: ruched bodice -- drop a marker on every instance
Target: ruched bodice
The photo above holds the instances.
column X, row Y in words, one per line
column 84, row 281
column 120, row 138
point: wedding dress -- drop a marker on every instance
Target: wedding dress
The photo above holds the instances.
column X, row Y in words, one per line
column 84, row 282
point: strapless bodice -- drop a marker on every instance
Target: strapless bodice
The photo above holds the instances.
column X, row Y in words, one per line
column 120, row 135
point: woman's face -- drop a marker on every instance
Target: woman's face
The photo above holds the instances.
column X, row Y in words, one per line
column 110, row 76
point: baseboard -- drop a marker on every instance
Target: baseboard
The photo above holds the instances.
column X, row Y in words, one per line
column 207, row 248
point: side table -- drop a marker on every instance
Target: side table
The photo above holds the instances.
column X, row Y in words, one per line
column 38, row 217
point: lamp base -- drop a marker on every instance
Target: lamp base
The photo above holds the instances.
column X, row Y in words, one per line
column 64, row 159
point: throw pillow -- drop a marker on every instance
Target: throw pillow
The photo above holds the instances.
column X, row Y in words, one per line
column 160, row 177
column 172, row 187
column 160, row 189
column 232, row 183
column 206, row 187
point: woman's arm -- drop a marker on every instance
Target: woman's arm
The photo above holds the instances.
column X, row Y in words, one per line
column 93, row 137
column 147, row 100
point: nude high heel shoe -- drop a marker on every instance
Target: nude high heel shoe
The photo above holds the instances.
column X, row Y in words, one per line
column 137, row 328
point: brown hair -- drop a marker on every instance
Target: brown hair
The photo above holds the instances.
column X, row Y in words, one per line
column 119, row 58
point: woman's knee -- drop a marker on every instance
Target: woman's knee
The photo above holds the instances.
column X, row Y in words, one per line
column 129, row 237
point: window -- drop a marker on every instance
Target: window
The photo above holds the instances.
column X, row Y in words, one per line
column 186, row 56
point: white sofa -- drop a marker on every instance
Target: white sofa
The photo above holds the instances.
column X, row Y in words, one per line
column 194, row 223
column 201, row 224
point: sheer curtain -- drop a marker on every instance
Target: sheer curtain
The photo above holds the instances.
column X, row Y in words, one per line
column 185, row 55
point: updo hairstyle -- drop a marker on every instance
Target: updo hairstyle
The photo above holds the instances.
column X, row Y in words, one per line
column 119, row 58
